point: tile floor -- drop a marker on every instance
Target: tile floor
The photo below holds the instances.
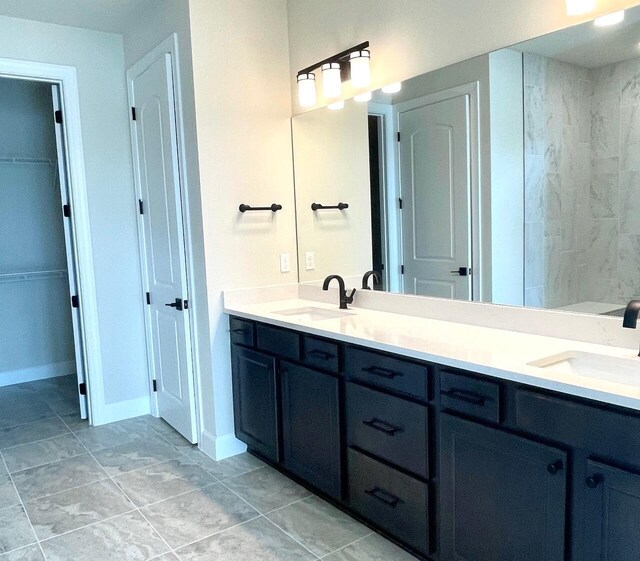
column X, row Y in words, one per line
column 136, row 490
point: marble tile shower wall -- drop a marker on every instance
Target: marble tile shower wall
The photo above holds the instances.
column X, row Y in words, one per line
column 582, row 172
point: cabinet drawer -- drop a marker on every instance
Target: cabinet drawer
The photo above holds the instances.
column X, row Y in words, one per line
column 278, row 341
column 611, row 434
column 388, row 427
column 242, row 332
column 470, row 396
column 387, row 372
column 320, row 353
column 396, row 502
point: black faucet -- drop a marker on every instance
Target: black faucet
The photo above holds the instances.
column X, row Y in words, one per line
column 344, row 299
column 631, row 315
column 367, row 276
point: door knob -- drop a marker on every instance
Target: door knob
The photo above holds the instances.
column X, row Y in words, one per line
column 462, row 271
column 178, row 305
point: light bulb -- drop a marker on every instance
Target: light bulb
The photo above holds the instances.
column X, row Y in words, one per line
column 579, row 7
column 392, row 88
column 331, row 80
column 336, row 106
column 307, row 89
column 363, row 97
column 609, row 19
column 360, row 69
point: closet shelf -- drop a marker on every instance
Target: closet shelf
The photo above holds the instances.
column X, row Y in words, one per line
column 33, row 275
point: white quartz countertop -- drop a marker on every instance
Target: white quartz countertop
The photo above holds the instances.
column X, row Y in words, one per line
column 492, row 352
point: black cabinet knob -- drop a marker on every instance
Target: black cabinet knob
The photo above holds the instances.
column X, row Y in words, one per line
column 593, row 481
column 555, row 467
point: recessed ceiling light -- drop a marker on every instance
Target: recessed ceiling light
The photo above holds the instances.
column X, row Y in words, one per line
column 363, row 97
column 609, row 19
column 392, row 88
column 336, row 106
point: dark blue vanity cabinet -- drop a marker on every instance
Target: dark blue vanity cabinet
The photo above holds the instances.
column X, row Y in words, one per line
column 452, row 465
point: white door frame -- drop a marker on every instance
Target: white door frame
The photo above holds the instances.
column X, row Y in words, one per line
column 475, row 204
column 66, row 79
column 170, row 46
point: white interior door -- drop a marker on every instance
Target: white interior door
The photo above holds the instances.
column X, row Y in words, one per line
column 70, row 250
column 158, row 183
column 435, row 184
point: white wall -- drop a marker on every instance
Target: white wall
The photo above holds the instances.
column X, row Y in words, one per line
column 99, row 61
column 243, row 105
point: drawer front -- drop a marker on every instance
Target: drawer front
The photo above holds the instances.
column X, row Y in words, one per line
column 387, row 372
column 470, row 396
column 610, row 434
column 396, row 502
column 320, row 353
column 242, row 332
column 278, row 341
column 388, row 427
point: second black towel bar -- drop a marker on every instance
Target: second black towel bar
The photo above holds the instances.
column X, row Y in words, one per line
column 318, row 206
column 273, row 208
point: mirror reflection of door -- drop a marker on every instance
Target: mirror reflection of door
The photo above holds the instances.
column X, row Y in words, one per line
column 435, row 183
column 376, row 167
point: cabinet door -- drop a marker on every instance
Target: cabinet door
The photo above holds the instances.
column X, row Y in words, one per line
column 612, row 514
column 254, row 400
column 311, row 427
column 502, row 497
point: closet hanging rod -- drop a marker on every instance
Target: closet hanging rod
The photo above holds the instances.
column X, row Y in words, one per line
column 33, row 275
column 339, row 206
column 273, row 208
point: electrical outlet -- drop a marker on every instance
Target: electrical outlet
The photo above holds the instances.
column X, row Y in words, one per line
column 310, row 260
column 285, row 263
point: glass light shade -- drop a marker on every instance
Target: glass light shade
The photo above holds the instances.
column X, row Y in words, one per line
column 579, row 7
column 336, row 106
column 307, row 89
column 331, row 80
column 392, row 88
column 363, row 97
column 360, row 69
column 609, row 19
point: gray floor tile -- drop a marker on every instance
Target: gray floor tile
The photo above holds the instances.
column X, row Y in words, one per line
column 42, row 452
column 29, row 553
column 64, row 404
column 3, row 467
column 267, row 489
column 59, row 476
column 371, row 548
column 163, row 481
column 23, row 408
column 15, row 530
column 127, row 537
column 100, row 438
column 8, row 493
column 258, row 540
column 198, row 514
column 135, row 455
column 318, row 526
column 224, row 469
column 38, row 430
column 69, row 510
column 166, row 557
column 74, row 422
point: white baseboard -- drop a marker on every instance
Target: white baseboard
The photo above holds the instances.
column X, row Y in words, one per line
column 34, row 373
column 122, row 410
column 221, row 447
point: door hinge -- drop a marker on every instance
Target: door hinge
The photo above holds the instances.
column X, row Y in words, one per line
column 398, row 136
column 66, row 211
column 57, row 115
column 82, row 388
column 134, row 117
column 140, row 206
column 186, row 304
column 75, row 301
column 402, row 269
column 400, row 202
column 155, row 385
column 148, row 298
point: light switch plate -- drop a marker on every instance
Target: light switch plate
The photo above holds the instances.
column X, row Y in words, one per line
column 310, row 260
column 285, row 263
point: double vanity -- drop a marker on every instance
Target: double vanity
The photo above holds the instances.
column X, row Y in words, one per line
column 457, row 441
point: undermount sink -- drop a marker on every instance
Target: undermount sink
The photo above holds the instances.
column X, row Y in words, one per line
column 312, row 313
column 590, row 365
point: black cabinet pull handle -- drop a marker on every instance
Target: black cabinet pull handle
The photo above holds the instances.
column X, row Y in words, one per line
column 555, row 467
column 382, row 372
column 382, row 426
column 462, row 395
column 593, row 481
column 321, row 354
column 239, row 330
column 384, row 497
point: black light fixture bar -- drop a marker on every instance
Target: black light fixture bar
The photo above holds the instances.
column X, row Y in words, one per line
column 339, row 206
column 273, row 208
column 340, row 57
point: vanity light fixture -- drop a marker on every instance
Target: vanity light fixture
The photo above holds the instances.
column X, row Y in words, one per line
column 610, row 19
column 336, row 106
column 363, row 97
column 392, row 88
column 350, row 64
column 579, row 7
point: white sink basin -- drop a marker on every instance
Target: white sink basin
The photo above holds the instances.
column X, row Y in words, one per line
column 312, row 313
column 590, row 365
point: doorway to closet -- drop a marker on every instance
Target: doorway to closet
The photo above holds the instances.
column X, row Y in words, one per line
column 41, row 357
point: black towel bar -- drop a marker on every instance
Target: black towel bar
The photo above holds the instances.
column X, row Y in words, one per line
column 318, row 206
column 273, row 208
